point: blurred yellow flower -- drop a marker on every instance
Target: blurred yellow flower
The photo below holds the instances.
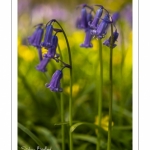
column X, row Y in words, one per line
column 95, row 43
column 128, row 57
column 76, row 38
column 62, row 43
column 75, row 89
column 26, row 53
column 104, row 122
column 44, row 51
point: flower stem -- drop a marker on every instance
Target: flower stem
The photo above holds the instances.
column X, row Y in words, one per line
column 40, row 53
column 62, row 120
column 100, row 92
column 62, row 109
column 70, row 99
column 111, row 93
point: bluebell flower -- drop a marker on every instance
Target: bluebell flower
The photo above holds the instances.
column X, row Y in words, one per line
column 101, row 30
column 52, row 50
column 42, row 66
column 88, row 38
column 54, row 84
column 36, row 37
column 82, row 21
column 48, row 37
column 108, row 41
column 95, row 21
column 89, row 17
column 115, row 17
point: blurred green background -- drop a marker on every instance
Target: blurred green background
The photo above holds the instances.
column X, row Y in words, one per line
column 39, row 108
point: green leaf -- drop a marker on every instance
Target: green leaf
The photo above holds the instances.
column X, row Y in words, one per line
column 49, row 137
column 83, row 146
column 91, row 125
column 27, row 131
column 22, row 142
column 122, row 127
column 61, row 123
column 125, row 111
column 85, row 137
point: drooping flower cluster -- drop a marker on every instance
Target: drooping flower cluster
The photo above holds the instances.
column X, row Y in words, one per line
column 108, row 41
column 96, row 26
column 50, row 43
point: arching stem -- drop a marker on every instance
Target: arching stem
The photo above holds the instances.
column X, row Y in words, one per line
column 70, row 99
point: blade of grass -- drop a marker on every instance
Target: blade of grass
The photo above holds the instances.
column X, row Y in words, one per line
column 22, row 142
column 27, row 131
column 85, row 137
column 91, row 125
column 122, row 127
column 45, row 133
column 83, row 146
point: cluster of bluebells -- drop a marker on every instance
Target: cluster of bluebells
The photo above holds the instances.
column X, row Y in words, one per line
column 49, row 41
column 96, row 26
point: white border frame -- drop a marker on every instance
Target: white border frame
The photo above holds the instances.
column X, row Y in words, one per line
column 14, row 74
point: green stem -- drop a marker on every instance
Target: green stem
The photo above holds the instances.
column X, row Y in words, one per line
column 40, row 54
column 62, row 120
column 62, row 109
column 111, row 93
column 70, row 99
column 100, row 92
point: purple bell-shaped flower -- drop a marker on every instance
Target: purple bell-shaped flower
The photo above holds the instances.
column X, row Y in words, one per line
column 115, row 17
column 36, row 37
column 101, row 30
column 54, row 84
column 96, row 19
column 88, row 38
column 42, row 65
column 52, row 50
column 89, row 17
column 82, row 21
column 108, row 41
column 48, row 37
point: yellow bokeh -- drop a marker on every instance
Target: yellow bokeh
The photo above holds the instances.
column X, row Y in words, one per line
column 26, row 53
column 104, row 122
column 44, row 51
column 75, row 89
column 95, row 44
column 76, row 38
column 116, row 58
column 128, row 57
column 62, row 44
